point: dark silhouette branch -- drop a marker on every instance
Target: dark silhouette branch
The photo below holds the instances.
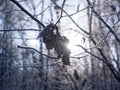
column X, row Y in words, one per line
column 18, row 38
column 6, row 30
column 37, row 52
column 61, row 12
column 80, row 57
column 29, row 14
column 24, row 47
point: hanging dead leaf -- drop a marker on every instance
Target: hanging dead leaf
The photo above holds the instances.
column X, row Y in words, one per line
column 53, row 40
column 76, row 75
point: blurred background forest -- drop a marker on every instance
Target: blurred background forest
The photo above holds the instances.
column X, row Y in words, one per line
column 93, row 28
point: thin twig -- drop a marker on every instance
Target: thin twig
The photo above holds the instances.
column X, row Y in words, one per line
column 77, row 12
column 7, row 30
column 37, row 51
column 96, row 46
column 71, row 19
column 42, row 12
column 91, row 53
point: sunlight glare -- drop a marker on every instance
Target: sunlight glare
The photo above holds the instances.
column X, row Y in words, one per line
column 33, row 43
column 72, row 44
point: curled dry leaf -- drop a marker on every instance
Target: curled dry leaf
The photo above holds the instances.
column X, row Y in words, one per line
column 53, row 40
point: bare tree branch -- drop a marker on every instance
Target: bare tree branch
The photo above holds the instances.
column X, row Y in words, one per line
column 29, row 14
column 91, row 53
column 71, row 19
column 42, row 11
column 77, row 12
column 104, row 22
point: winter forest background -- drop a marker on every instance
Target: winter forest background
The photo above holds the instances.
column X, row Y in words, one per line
column 93, row 30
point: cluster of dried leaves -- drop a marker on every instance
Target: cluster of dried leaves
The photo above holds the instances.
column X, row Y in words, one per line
column 53, row 40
